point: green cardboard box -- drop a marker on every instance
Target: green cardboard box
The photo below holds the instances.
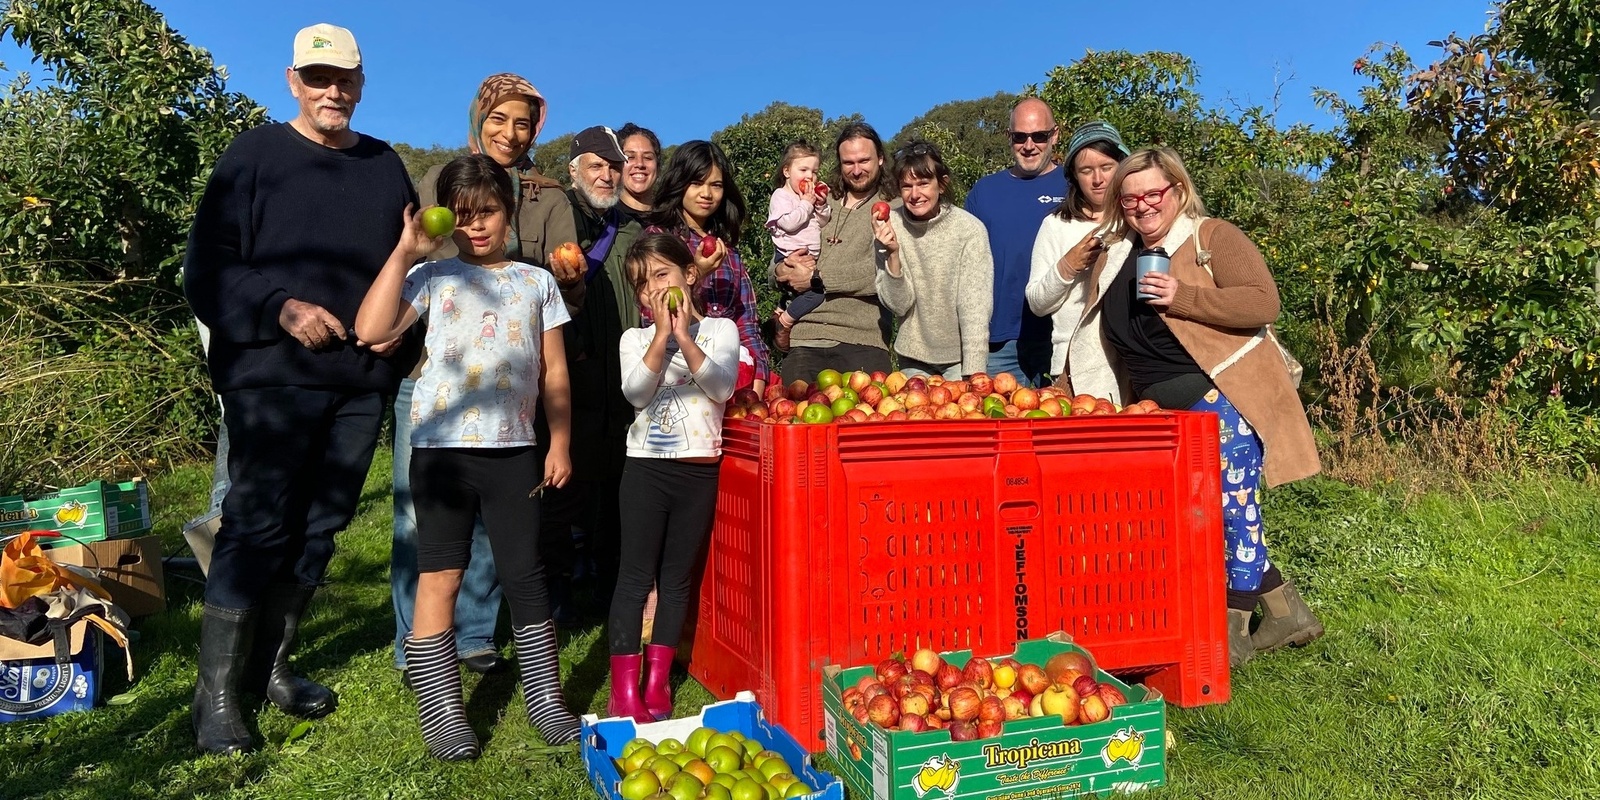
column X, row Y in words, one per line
column 1031, row 758
column 93, row 512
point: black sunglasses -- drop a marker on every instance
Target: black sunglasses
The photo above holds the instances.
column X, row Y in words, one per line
column 913, row 150
column 1038, row 137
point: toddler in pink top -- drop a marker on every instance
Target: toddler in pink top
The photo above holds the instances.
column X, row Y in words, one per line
column 798, row 211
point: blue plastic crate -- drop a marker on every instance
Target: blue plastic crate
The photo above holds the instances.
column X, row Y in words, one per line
column 603, row 740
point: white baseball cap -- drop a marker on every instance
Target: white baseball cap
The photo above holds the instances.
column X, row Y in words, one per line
column 326, row 44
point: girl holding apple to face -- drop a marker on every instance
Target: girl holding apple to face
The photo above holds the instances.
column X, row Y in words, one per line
column 935, row 272
column 678, row 374
column 456, row 475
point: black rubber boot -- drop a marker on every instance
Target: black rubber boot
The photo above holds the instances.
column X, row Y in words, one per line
column 1285, row 620
column 436, row 679
column 225, row 635
column 277, row 631
column 541, row 683
column 1239, row 648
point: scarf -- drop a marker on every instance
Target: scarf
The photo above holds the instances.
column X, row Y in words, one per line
column 496, row 89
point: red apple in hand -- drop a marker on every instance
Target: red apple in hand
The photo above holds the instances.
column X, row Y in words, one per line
column 805, row 185
column 708, row 247
column 880, row 211
column 822, row 190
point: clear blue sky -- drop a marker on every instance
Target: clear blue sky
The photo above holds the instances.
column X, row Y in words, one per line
column 688, row 69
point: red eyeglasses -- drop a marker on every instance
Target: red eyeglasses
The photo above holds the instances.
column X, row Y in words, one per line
column 1152, row 199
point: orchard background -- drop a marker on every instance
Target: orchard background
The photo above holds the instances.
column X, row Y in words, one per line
column 1436, row 247
column 1438, row 254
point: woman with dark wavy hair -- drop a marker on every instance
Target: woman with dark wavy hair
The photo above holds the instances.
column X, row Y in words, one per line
column 698, row 198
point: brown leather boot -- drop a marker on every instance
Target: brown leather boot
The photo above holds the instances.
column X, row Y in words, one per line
column 1285, row 620
column 1240, row 649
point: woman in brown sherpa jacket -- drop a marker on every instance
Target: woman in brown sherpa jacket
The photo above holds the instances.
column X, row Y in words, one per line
column 1195, row 337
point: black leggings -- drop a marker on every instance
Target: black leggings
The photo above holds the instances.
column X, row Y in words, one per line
column 666, row 508
column 450, row 487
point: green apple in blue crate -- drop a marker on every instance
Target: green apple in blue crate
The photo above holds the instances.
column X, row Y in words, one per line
column 639, row 784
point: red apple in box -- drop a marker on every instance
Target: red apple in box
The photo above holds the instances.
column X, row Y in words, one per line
column 858, row 380
column 922, row 677
column 964, row 702
column 1082, row 404
column 871, row 395
column 991, row 708
column 879, row 376
column 1072, row 660
column 861, row 714
column 1112, row 696
column 990, row 728
column 915, row 398
column 890, row 669
column 898, row 415
column 969, row 402
column 798, row 390
column 867, row 682
column 884, row 711
column 1103, row 408
column 1025, row 399
column 980, row 384
column 1092, row 709
column 758, row 410
column 1005, row 383
column 938, row 395
column 948, row 677
column 856, row 414
column 819, row 398
column 956, row 388
column 782, row 407
column 917, row 385
column 914, row 702
column 744, row 397
column 1053, row 407
column 963, row 731
column 979, row 672
column 1149, row 406
column 1033, row 678
column 775, row 391
column 927, row 660
column 1085, row 686
column 1015, row 707
column 736, row 412
column 934, row 723
column 920, row 414
column 894, row 382
column 947, row 411
column 913, row 723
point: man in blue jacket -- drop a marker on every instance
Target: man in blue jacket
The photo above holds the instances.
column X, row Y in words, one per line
column 1012, row 204
column 295, row 223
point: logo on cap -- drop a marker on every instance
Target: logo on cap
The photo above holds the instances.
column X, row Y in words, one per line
column 318, row 43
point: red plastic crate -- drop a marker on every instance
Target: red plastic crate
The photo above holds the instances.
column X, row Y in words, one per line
column 841, row 544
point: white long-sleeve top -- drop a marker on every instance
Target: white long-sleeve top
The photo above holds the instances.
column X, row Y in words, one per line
column 1049, row 294
column 679, row 413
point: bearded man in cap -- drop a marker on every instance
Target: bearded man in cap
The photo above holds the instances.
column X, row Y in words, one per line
column 604, row 306
column 294, row 225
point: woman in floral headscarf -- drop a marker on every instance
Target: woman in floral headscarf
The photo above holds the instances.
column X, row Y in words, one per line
column 502, row 122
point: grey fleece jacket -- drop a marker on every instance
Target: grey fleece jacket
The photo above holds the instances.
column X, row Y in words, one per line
column 945, row 291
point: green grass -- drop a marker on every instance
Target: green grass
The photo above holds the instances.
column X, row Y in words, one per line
column 1461, row 660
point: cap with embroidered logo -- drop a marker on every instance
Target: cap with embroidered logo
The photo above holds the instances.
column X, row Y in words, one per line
column 326, row 44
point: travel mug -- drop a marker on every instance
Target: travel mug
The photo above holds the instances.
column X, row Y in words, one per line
column 1152, row 259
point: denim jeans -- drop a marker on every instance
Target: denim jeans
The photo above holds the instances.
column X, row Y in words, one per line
column 478, row 602
column 1027, row 361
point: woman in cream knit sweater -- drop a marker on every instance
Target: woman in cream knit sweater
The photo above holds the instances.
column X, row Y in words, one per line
column 935, row 272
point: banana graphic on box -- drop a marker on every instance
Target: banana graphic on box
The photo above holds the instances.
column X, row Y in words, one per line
column 1127, row 745
column 940, row 772
column 72, row 512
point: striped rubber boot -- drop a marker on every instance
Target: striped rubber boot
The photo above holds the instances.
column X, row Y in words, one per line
column 431, row 665
column 541, row 683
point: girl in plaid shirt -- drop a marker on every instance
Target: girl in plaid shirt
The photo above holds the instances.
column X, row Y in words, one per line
column 697, row 199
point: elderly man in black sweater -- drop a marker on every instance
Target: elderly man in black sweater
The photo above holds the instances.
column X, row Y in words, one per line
column 295, row 223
